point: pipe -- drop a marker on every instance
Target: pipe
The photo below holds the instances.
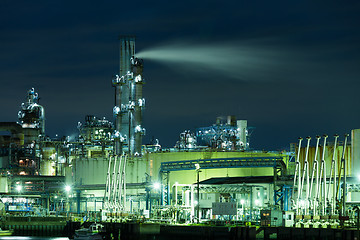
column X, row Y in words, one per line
column 117, row 190
column 315, row 169
column 113, row 182
column 342, row 166
column 297, row 175
column 333, row 170
column 124, row 181
column 108, row 187
column 120, row 182
column 306, row 172
column 356, row 208
column 322, row 174
column 344, row 180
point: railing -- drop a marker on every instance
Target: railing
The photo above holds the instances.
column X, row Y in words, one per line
column 242, row 162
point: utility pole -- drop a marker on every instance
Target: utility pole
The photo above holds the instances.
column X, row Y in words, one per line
column 197, row 166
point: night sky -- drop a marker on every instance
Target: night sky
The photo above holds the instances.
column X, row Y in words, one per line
column 291, row 68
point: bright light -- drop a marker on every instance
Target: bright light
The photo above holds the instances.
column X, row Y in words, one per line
column 67, row 188
column 138, row 78
column 18, row 188
column 141, row 102
column 195, row 202
column 138, row 128
column 55, row 196
column 358, row 177
column 257, row 202
column 156, row 186
column 242, row 201
column 197, row 166
column 117, row 134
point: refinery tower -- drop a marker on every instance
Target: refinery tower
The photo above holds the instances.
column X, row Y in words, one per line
column 129, row 102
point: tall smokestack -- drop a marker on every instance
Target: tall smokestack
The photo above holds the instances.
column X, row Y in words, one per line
column 127, row 50
column 128, row 99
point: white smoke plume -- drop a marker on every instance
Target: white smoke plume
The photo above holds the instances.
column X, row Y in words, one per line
column 243, row 61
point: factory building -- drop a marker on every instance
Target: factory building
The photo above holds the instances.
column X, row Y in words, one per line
column 210, row 173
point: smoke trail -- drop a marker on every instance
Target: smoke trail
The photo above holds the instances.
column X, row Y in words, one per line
column 236, row 60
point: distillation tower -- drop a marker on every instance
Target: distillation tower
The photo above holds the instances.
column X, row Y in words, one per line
column 32, row 117
column 129, row 105
column 129, row 102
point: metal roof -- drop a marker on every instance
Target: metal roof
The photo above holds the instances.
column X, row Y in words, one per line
column 239, row 180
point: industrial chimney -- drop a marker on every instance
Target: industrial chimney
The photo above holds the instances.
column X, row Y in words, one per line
column 129, row 102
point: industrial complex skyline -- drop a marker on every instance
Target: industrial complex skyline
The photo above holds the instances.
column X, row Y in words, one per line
column 290, row 69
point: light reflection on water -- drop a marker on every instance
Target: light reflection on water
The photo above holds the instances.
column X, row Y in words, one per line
column 32, row 238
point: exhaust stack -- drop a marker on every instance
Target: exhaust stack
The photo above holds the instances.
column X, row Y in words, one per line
column 129, row 102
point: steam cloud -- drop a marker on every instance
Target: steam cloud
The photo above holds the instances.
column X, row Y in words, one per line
column 246, row 62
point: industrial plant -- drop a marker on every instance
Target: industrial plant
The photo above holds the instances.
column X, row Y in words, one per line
column 211, row 176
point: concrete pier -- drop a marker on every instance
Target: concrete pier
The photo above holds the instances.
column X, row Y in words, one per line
column 51, row 227
column 35, row 226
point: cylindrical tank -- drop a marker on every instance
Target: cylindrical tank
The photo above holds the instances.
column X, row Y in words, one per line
column 242, row 133
column 355, row 151
column 46, row 164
